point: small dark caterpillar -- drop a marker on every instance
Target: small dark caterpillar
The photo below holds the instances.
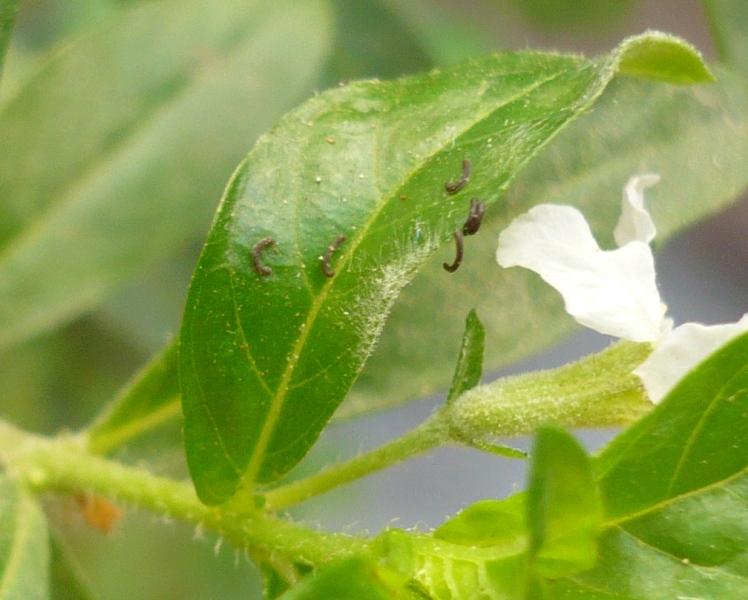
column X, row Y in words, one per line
column 460, row 250
column 460, row 183
column 475, row 217
column 261, row 269
column 326, row 270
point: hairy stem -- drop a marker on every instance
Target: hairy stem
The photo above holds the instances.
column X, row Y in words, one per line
column 597, row 391
column 61, row 465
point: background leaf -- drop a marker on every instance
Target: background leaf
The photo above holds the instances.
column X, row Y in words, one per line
column 696, row 138
column 133, row 165
column 728, row 20
column 675, row 488
column 67, row 582
column 149, row 400
column 371, row 41
column 447, row 37
column 266, row 358
column 8, row 10
column 24, row 547
column 590, row 16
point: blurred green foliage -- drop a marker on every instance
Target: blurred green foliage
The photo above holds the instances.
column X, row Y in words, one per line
column 61, row 377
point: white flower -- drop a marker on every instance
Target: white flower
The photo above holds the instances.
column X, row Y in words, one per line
column 614, row 291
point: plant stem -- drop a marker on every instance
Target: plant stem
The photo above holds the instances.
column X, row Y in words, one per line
column 61, row 465
column 597, row 391
column 429, row 434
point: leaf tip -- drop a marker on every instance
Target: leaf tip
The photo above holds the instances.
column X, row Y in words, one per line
column 661, row 56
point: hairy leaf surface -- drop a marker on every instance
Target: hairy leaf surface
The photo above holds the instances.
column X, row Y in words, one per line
column 117, row 150
column 323, row 224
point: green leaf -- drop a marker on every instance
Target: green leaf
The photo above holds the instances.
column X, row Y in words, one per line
column 138, row 125
column 485, row 523
column 469, row 367
column 447, row 36
column 585, row 17
column 446, row 568
column 675, row 487
column 564, row 511
column 696, row 139
column 267, row 358
column 150, row 399
column 663, row 57
column 24, row 547
column 354, row 578
column 371, row 41
column 504, row 549
column 8, row 10
column 728, row 20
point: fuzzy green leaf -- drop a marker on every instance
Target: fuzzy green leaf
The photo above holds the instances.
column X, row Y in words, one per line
column 695, row 138
column 675, row 487
column 24, row 545
column 469, row 367
column 117, row 150
column 729, row 25
column 352, row 183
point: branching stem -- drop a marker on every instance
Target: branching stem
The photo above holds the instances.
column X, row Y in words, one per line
column 430, row 434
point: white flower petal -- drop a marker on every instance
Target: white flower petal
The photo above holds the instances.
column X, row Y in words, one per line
column 611, row 292
column 635, row 223
column 680, row 351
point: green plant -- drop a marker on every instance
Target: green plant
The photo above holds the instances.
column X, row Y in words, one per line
column 298, row 313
